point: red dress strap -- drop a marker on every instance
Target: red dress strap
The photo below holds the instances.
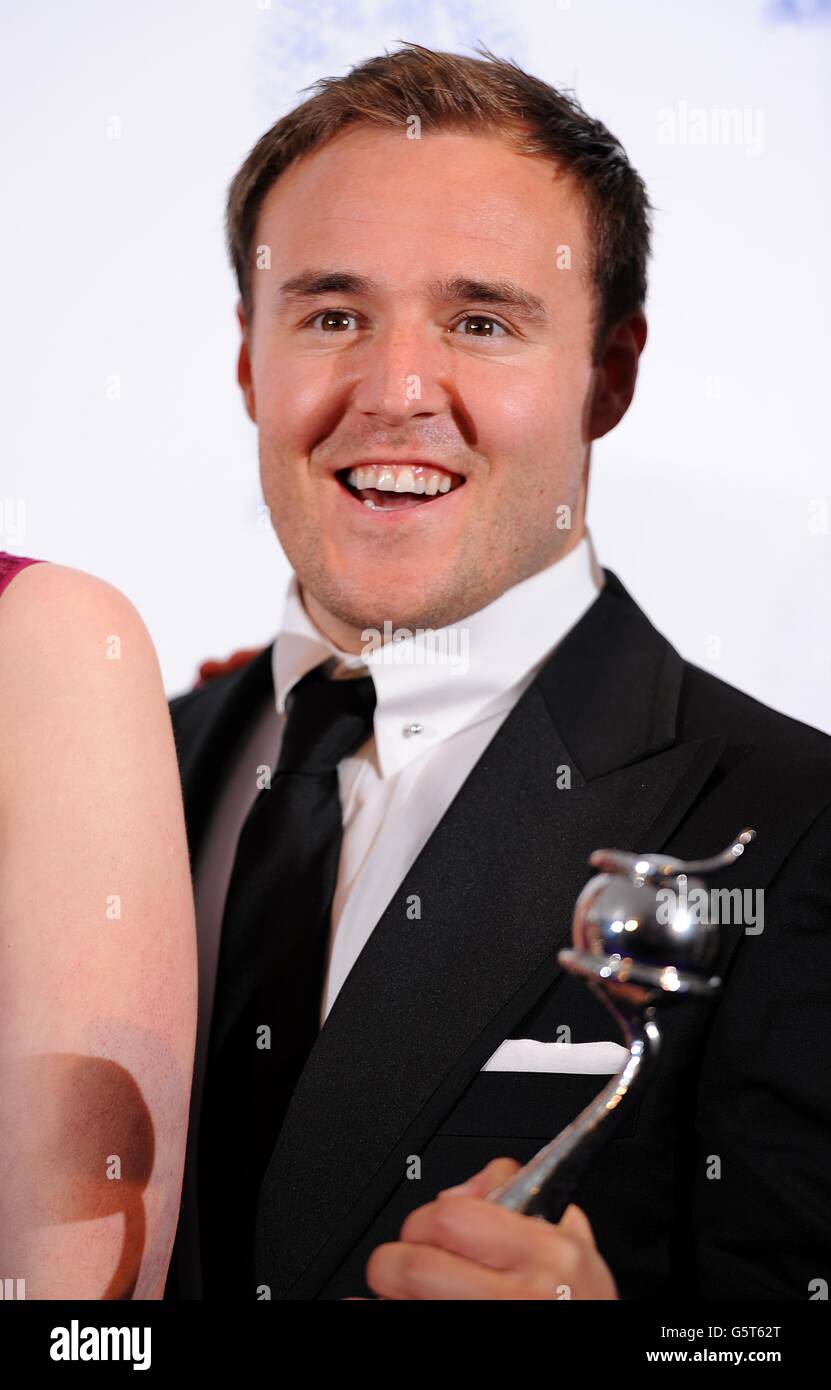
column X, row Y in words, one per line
column 10, row 565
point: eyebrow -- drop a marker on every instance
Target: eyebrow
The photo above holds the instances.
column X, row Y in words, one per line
column 455, row 289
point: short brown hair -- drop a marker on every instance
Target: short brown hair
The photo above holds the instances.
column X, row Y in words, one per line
column 489, row 95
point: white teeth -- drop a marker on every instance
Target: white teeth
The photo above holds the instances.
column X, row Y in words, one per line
column 400, row 478
column 405, row 482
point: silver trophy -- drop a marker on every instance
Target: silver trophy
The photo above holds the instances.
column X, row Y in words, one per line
column 638, row 944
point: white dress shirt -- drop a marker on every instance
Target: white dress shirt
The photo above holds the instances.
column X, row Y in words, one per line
column 440, row 699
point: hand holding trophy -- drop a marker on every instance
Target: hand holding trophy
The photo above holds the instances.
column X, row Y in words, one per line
column 638, row 942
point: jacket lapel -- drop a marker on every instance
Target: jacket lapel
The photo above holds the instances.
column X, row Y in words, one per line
column 587, row 758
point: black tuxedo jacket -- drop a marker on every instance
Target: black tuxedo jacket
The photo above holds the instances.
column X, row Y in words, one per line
column 718, row 1184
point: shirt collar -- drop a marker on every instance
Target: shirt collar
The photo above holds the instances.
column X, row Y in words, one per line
column 441, row 681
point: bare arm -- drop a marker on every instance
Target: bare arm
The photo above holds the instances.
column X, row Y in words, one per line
column 98, row 977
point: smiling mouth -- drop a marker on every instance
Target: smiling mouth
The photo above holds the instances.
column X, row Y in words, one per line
column 397, row 487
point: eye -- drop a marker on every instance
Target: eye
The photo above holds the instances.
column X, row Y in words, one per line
column 329, row 315
column 483, row 318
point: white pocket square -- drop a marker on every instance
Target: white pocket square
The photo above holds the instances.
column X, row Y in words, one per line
column 526, row 1054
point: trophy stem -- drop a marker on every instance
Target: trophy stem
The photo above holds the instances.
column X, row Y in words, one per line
column 544, row 1186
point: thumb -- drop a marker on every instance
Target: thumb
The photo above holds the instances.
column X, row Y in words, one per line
column 493, row 1175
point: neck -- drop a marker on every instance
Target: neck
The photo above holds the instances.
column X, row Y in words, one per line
column 344, row 636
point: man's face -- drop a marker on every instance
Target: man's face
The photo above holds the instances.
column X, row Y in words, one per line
column 414, row 367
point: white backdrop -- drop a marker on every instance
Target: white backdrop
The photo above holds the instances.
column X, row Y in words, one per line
column 127, row 451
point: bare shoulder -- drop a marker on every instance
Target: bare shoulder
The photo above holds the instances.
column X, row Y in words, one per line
column 82, row 702
column 55, row 619
column 76, row 661
column 48, row 581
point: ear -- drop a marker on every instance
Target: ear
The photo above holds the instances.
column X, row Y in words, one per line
column 244, row 366
column 616, row 374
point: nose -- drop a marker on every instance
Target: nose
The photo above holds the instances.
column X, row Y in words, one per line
column 404, row 372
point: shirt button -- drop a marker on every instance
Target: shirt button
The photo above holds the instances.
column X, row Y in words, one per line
column 410, row 729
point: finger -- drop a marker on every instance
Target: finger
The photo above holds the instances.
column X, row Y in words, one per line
column 493, row 1175
column 416, row 1272
column 488, row 1234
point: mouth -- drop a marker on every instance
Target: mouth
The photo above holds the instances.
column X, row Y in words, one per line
column 397, row 487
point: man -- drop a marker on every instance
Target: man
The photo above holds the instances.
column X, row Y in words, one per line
column 442, row 271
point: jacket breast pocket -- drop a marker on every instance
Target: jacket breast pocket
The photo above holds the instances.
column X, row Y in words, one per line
column 532, row 1105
